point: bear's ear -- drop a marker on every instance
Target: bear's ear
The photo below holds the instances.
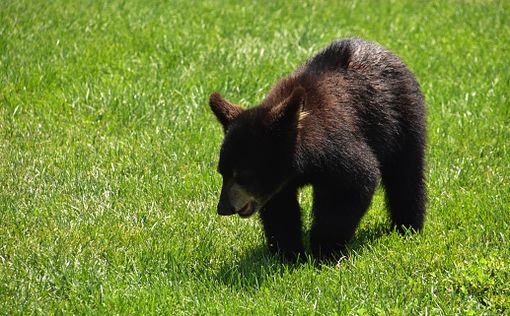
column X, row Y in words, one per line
column 225, row 111
column 288, row 111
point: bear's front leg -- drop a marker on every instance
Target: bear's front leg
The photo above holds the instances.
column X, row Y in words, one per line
column 337, row 213
column 281, row 218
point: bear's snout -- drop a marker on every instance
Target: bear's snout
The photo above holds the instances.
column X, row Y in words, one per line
column 224, row 206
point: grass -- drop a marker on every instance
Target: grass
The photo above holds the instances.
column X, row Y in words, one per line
column 108, row 154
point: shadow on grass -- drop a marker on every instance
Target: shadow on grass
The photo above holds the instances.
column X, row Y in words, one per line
column 254, row 267
column 367, row 236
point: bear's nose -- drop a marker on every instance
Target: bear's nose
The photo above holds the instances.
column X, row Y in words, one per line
column 224, row 207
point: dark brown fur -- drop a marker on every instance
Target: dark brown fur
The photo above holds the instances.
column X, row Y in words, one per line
column 353, row 114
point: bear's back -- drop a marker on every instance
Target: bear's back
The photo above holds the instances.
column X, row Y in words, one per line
column 360, row 87
column 354, row 55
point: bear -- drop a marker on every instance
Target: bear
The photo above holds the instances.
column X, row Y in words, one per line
column 350, row 117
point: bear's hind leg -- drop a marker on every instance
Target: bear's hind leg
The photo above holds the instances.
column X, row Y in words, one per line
column 336, row 216
column 281, row 218
column 404, row 184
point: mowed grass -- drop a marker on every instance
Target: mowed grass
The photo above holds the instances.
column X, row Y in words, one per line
column 108, row 154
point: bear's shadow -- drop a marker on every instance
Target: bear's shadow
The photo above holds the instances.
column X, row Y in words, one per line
column 257, row 265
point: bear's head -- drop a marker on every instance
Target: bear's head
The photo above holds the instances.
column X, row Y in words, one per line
column 257, row 155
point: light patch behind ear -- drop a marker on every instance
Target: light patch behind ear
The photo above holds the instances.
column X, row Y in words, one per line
column 302, row 115
column 225, row 111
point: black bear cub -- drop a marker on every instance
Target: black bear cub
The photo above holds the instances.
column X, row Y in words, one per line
column 351, row 115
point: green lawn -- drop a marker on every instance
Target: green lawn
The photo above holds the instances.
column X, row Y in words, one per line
column 108, row 153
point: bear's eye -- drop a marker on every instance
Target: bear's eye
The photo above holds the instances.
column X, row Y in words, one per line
column 245, row 177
